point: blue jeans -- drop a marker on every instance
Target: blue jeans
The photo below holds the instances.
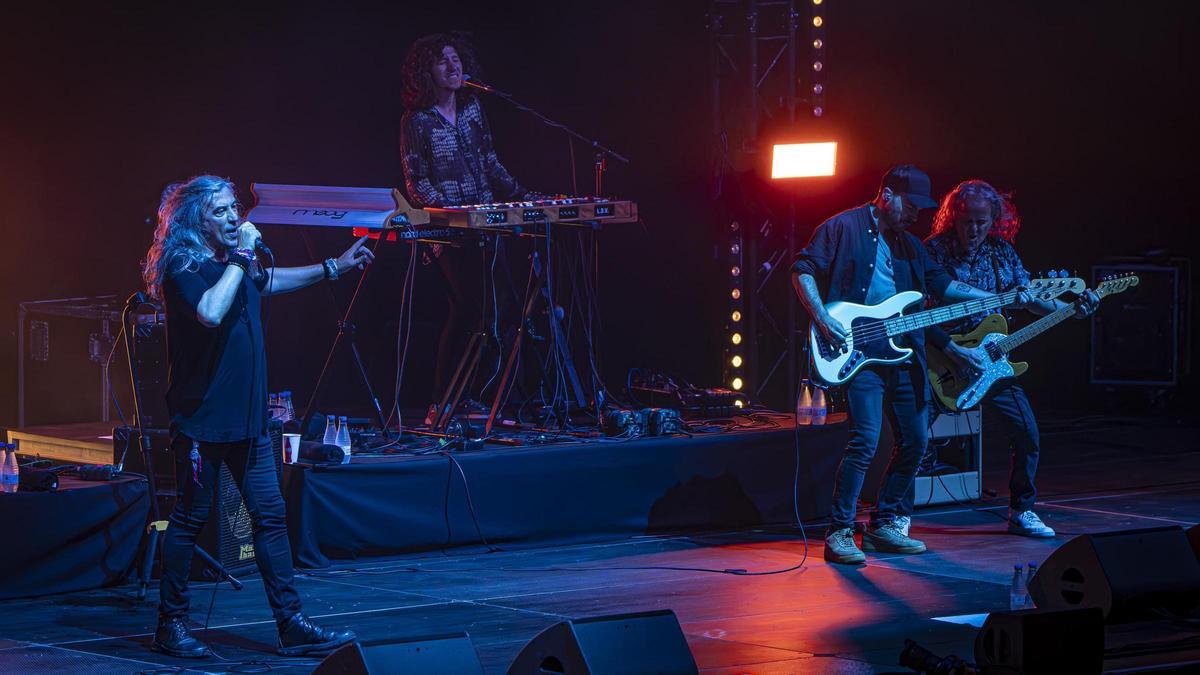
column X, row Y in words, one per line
column 252, row 464
column 1008, row 403
column 871, row 393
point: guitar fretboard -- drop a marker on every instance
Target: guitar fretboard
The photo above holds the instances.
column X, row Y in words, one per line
column 1058, row 316
column 1035, row 329
column 930, row 317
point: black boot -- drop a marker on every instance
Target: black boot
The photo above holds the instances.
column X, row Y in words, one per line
column 174, row 639
column 299, row 635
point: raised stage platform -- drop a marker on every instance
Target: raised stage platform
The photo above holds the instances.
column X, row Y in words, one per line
column 754, row 471
column 1097, row 475
column 567, row 492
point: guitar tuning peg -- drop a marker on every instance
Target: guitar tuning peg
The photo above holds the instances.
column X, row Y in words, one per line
column 1063, row 274
column 1051, row 274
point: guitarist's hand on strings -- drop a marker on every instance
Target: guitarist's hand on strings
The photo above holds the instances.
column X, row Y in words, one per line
column 1024, row 299
column 1086, row 305
column 968, row 359
column 832, row 330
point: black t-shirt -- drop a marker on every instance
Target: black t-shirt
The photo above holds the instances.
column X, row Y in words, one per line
column 217, row 384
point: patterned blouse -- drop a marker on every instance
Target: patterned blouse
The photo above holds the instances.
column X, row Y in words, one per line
column 995, row 267
column 453, row 164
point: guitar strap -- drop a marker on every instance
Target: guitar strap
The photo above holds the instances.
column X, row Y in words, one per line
column 911, row 254
column 996, row 274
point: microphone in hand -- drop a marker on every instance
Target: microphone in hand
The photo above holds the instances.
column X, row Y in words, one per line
column 250, row 237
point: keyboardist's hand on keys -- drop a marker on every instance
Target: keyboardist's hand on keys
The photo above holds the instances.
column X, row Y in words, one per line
column 358, row 255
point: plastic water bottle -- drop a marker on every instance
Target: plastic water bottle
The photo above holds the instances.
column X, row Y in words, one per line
column 1030, row 571
column 331, row 431
column 1016, row 594
column 273, row 405
column 11, row 479
column 804, row 404
column 343, row 438
column 819, row 411
column 289, row 413
column 4, row 468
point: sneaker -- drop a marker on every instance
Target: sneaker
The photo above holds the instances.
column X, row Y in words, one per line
column 173, row 638
column 1027, row 524
column 888, row 538
column 299, row 635
column 840, row 548
column 903, row 523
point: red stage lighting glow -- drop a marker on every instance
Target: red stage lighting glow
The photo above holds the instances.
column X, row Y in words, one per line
column 803, row 160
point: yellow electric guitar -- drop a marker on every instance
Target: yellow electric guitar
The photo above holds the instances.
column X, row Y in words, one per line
column 960, row 391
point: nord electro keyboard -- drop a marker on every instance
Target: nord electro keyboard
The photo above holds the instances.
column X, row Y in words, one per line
column 577, row 210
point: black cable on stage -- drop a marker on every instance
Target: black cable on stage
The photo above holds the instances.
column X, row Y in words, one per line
column 495, row 323
column 974, row 436
column 112, row 395
column 470, row 503
column 403, row 328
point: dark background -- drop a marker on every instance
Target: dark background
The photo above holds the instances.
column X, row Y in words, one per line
column 1080, row 108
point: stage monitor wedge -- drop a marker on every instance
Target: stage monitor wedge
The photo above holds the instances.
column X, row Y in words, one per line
column 452, row 654
column 1042, row 641
column 1126, row 574
column 647, row 642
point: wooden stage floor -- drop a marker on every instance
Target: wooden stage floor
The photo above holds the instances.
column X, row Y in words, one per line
column 1096, row 476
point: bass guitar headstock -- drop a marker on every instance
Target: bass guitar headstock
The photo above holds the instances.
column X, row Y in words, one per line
column 1054, row 285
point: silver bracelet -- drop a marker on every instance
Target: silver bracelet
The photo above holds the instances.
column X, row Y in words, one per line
column 331, row 270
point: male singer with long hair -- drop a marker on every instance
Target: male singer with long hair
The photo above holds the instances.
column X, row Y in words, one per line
column 204, row 267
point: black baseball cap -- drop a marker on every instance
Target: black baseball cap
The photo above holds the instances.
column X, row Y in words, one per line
column 911, row 182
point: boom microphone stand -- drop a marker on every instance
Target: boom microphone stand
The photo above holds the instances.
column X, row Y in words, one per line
column 602, row 152
column 157, row 527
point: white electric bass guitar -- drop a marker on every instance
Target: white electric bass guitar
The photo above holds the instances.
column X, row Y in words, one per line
column 872, row 329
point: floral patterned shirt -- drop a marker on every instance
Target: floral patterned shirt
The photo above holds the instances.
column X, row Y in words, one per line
column 453, row 164
column 995, row 267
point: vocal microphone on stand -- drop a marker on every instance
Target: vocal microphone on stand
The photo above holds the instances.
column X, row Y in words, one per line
column 476, row 84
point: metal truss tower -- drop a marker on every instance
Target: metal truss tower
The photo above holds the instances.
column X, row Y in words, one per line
column 755, row 48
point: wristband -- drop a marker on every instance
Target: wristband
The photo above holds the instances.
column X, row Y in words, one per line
column 241, row 261
column 247, row 253
column 331, row 270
